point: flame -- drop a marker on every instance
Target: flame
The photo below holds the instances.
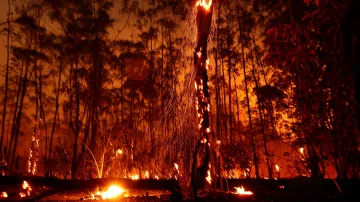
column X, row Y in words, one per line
column 147, row 174
column 3, row 195
column 112, row 192
column 176, row 167
column 134, row 177
column 277, row 168
column 25, row 185
column 22, row 194
column 204, row 4
column 208, row 177
column 241, row 191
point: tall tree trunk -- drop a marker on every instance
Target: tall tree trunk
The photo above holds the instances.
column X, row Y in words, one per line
column 55, row 115
column 43, row 116
column 6, row 83
column 255, row 158
column 268, row 163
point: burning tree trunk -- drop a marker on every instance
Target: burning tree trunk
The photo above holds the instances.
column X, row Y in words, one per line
column 203, row 21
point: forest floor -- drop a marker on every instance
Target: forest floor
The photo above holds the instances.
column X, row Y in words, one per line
column 289, row 190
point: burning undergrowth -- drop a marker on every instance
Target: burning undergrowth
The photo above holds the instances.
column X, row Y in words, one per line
column 24, row 190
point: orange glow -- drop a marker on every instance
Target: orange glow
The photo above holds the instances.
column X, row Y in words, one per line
column 22, row 194
column 241, row 191
column 112, row 192
column 204, row 3
column 146, row 174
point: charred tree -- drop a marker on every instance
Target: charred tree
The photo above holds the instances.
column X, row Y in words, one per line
column 203, row 21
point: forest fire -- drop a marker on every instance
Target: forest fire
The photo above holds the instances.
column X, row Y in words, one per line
column 241, row 191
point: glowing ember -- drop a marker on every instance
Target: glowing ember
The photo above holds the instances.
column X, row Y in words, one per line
column 301, row 150
column 112, row 192
column 241, row 191
column 3, row 195
column 204, row 3
column 156, row 177
column 22, row 194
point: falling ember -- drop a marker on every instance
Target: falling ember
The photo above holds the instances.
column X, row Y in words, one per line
column 241, row 191
column 3, row 195
column 112, row 192
column 156, row 177
column 204, row 3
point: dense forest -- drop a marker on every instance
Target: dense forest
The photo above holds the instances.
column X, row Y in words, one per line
column 105, row 88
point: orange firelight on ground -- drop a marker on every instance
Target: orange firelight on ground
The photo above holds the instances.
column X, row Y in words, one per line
column 241, row 191
column 204, row 3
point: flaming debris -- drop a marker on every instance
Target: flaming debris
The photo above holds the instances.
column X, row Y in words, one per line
column 241, row 191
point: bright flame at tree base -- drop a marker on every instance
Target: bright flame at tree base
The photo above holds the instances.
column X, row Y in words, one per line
column 241, row 191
